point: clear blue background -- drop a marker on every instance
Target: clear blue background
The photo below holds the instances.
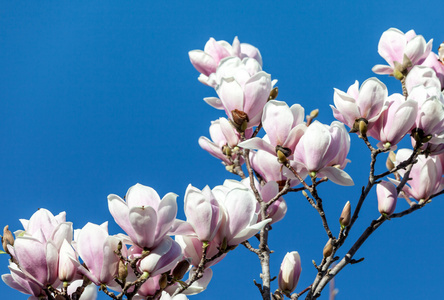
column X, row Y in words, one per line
column 96, row 96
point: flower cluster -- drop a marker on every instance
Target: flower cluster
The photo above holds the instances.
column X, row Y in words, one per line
column 51, row 260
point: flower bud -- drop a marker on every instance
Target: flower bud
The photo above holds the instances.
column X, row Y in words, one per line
column 163, row 281
column 314, row 113
column 7, row 239
column 180, row 269
column 362, row 128
column 387, row 196
column 390, row 162
column 122, row 271
column 240, row 119
column 345, row 217
column 273, row 94
column 289, row 272
column 328, row 249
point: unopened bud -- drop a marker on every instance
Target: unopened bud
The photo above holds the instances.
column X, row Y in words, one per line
column 344, row 219
column 390, row 162
column 328, row 249
column 305, row 194
column 163, row 281
column 274, row 93
column 224, row 245
column 226, row 150
column 122, row 272
column 7, row 239
column 180, row 269
column 281, row 157
column 363, row 128
column 314, row 113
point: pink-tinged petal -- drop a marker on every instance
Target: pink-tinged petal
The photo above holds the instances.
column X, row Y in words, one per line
column 294, row 136
column 90, row 243
column 336, row 175
column 251, row 51
column 228, row 132
column 19, row 281
column 277, row 120
column 144, row 221
column 382, row 70
column 371, row 98
column 214, row 102
column 202, row 213
column 63, row 231
column 241, row 207
column 258, row 143
column 203, row 62
column 181, row 227
column 217, row 49
column 248, row 232
column 31, row 255
column 391, row 45
column 199, row 285
column 231, row 95
column 346, row 106
column 313, row 146
column 110, row 260
column 119, row 210
column 415, row 50
column 298, row 114
column 67, row 268
column 236, row 47
column 43, row 220
column 252, row 66
column 89, row 293
column 256, row 90
column 142, row 195
column 213, row 149
column 169, row 260
column 166, row 214
column 52, row 259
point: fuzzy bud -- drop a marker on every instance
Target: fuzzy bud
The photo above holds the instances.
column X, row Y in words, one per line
column 345, row 217
column 314, row 113
column 273, row 94
column 7, row 239
column 180, row 269
column 122, row 270
column 328, row 249
column 163, row 281
column 390, row 162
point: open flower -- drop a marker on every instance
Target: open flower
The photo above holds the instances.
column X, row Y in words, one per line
column 401, row 51
column 144, row 217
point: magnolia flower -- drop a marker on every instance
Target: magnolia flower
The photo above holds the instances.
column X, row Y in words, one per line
column 289, row 272
column 395, row 122
column 192, row 249
column 203, row 212
column 401, row 51
column 387, row 196
column 240, row 217
column 422, row 75
column 322, row 150
column 143, row 209
column 160, row 259
column 284, row 127
column 21, row 282
column 366, row 103
column 224, row 139
column 207, row 61
column 243, row 90
column 96, row 249
column 433, row 61
column 430, row 118
column 426, row 175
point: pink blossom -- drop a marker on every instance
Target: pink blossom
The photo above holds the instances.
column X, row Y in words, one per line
column 433, row 61
column 289, row 272
column 21, row 282
column 160, row 259
column 96, row 249
column 224, row 139
column 207, row 61
column 143, row 216
column 67, row 269
column 422, row 75
column 426, row 175
column 401, row 51
column 192, row 248
column 364, row 103
column 395, row 122
column 322, row 150
column 203, row 212
column 284, row 126
column 387, row 196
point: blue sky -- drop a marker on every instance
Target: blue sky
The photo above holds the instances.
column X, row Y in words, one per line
column 96, row 96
